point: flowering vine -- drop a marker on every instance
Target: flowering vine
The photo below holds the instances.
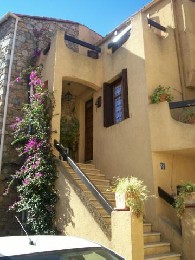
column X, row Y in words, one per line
column 35, row 180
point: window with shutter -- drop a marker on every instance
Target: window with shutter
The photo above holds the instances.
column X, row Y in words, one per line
column 116, row 107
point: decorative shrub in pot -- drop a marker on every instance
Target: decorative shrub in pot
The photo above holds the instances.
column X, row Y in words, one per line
column 130, row 193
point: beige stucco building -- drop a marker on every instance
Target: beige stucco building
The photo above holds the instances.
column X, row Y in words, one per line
column 109, row 82
column 147, row 140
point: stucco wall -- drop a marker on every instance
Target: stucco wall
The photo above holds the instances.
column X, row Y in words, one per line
column 73, row 217
column 62, row 64
column 179, row 169
column 186, row 27
column 124, row 149
column 151, row 59
column 160, row 50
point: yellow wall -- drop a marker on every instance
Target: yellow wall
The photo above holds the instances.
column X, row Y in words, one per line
column 71, row 210
column 160, row 51
column 186, row 24
column 152, row 59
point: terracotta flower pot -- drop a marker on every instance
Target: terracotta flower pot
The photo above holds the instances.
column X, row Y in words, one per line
column 191, row 120
column 163, row 97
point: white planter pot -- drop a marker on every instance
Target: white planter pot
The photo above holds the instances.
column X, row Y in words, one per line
column 190, row 199
column 120, row 200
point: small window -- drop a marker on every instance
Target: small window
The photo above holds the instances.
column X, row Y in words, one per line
column 116, row 100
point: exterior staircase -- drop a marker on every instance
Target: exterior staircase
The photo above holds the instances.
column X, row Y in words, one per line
column 154, row 248
column 100, row 181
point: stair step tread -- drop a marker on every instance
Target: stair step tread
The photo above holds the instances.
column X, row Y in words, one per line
column 147, row 224
column 87, row 170
column 91, row 173
column 94, row 199
column 82, row 167
column 106, row 216
column 153, row 233
column 101, row 187
column 155, row 244
column 104, row 180
column 104, row 192
column 161, row 256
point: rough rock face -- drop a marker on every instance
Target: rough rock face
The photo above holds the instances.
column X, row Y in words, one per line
column 33, row 33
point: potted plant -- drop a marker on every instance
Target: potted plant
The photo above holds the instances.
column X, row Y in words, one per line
column 130, row 193
column 186, row 197
column 188, row 115
column 161, row 94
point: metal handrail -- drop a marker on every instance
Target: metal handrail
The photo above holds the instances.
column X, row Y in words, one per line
column 94, row 190
column 182, row 104
column 166, row 197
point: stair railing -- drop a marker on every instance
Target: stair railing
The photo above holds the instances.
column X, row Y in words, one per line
column 166, row 197
column 94, row 190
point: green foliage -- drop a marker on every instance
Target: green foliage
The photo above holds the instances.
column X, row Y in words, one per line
column 35, row 179
column 184, row 191
column 69, row 131
column 188, row 115
column 136, row 193
column 161, row 92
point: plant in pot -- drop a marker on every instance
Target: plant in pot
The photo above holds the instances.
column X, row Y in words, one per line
column 161, row 94
column 188, row 115
column 185, row 197
column 130, row 193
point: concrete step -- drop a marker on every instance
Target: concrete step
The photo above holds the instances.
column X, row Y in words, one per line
column 97, row 204
column 166, row 256
column 156, row 248
column 107, row 195
column 150, row 237
column 98, row 182
column 102, row 211
column 86, row 170
column 101, row 188
column 147, row 227
column 90, row 175
column 81, row 165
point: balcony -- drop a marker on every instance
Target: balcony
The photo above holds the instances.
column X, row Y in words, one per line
column 168, row 134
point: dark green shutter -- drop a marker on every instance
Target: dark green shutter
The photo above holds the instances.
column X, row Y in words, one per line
column 108, row 105
column 125, row 93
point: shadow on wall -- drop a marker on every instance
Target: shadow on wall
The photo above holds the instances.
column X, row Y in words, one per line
column 8, row 224
column 65, row 213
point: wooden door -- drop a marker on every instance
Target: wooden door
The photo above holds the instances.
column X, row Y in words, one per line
column 89, row 130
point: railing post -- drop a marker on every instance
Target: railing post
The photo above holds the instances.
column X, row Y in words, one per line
column 127, row 235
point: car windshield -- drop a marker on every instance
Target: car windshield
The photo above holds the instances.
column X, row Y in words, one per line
column 74, row 254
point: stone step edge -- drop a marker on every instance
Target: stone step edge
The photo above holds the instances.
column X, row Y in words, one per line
column 161, row 256
column 156, row 244
column 89, row 172
column 107, row 181
column 152, row 233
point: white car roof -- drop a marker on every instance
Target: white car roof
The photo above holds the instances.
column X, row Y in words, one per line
column 19, row 245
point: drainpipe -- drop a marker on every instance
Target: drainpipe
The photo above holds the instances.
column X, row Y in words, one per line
column 4, row 18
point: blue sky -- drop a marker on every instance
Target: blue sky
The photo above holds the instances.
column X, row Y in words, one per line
column 102, row 15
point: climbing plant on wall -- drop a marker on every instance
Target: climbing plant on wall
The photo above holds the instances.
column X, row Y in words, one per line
column 35, row 180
